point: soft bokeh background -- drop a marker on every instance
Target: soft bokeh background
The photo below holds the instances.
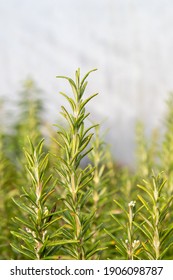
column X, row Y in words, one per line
column 129, row 41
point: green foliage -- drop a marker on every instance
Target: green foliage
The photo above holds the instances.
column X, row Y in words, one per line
column 7, row 190
column 126, row 239
column 146, row 152
column 156, row 224
column 103, row 189
column 67, row 198
column 75, row 146
column 33, row 231
column 166, row 153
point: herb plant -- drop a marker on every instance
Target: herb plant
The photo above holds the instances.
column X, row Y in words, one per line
column 75, row 146
column 69, row 199
column 33, row 229
column 156, row 223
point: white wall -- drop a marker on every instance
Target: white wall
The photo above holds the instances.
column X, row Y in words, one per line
column 129, row 41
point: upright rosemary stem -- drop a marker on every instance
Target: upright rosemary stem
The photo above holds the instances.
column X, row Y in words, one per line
column 34, row 234
column 132, row 244
column 129, row 247
column 36, row 165
column 75, row 140
column 156, row 216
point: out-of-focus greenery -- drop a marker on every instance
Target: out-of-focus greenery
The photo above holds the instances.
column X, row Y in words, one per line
column 54, row 205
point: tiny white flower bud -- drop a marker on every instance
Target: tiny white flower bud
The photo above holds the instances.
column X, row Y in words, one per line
column 132, row 203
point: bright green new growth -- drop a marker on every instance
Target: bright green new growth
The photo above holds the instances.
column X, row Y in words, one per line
column 33, row 232
column 157, row 226
column 75, row 146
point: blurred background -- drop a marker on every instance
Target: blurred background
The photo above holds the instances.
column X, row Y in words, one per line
column 129, row 41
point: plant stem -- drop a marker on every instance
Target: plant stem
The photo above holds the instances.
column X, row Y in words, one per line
column 76, row 139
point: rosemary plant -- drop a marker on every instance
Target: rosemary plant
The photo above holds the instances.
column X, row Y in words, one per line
column 103, row 188
column 166, row 153
column 100, row 181
column 126, row 239
column 7, row 190
column 146, row 151
column 4, row 235
column 36, row 241
column 75, row 146
column 66, row 208
column 31, row 109
column 156, row 225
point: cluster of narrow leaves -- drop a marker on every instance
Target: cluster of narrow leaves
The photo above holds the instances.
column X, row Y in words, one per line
column 166, row 152
column 102, row 186
column 68, row 199
column 126, row 242
column 146, row 233
column 74, row 142
column 156, row 223
column 152, row 222
column 37, row 241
